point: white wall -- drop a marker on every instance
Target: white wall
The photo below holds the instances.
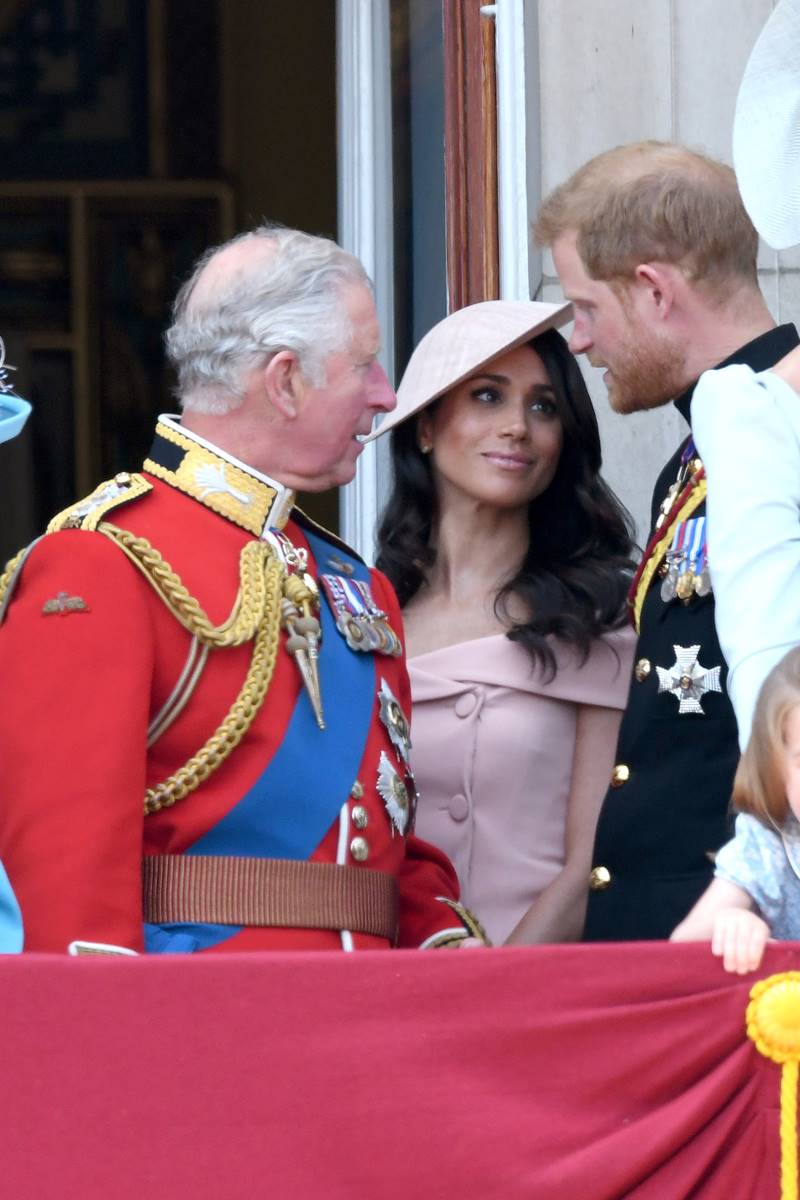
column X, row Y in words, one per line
column 614, row 71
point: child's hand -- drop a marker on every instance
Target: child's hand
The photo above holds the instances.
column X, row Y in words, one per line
column 739, row 939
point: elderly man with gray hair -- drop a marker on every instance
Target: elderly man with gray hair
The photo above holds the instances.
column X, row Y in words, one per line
column 211, row 689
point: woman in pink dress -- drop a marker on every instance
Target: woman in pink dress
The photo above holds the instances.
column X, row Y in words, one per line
column 511, row 558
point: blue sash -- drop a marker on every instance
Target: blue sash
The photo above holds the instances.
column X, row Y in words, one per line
column 10, row 918
column 290, row 808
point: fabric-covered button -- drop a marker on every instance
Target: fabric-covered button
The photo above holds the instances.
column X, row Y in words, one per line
column 359, row 848
column 465, row 704
column 458, row 807
column 600, row 879
column 621, row 774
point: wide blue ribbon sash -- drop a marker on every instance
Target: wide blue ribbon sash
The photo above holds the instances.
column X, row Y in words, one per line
column 292, row 805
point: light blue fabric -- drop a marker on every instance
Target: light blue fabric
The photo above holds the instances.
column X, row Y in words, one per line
column 766, row 864
column 14, row 412
column 747, row 431
column 10, row 918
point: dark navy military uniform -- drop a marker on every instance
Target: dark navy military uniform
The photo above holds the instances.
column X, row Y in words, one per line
column 666, row 812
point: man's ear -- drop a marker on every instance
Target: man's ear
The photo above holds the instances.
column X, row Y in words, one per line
column 282, row 380
column 657, row 286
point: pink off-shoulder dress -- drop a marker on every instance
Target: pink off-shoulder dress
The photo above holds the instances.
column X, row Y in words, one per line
column 492, row 749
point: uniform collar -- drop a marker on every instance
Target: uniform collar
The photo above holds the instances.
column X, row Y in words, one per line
column 760, row 354
column 216, row 479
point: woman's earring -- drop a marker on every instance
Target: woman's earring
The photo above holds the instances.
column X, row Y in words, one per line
column 426, row 447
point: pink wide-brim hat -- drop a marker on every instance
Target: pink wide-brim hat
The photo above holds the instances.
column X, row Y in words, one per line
column 463, row 343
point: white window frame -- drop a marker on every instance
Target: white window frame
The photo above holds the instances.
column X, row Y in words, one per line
column 518, row 144
column 366, row 222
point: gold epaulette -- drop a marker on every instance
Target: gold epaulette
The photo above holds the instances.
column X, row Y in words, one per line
column 84, row 514
column 87, row 513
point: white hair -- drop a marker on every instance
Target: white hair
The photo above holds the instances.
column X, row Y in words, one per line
column 288, row 299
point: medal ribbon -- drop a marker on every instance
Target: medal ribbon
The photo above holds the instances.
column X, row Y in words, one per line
column 689, row 545
column 685, row 504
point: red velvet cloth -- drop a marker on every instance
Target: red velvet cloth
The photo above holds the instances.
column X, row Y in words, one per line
column 558, row 1073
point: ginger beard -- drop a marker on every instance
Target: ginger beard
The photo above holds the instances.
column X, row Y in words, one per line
column 646, row 370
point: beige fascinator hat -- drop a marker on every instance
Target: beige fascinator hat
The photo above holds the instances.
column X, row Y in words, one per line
column 766, row 129
column 463, row 343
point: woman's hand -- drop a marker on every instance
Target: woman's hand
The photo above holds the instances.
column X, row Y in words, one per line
column 739, row 939
column 789, row 368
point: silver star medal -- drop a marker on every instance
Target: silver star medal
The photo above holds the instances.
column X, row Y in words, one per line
column 687, row 680
column 393, row 792
column 394, row 721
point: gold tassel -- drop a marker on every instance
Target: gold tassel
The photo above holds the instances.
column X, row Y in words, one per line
column 773, row 1024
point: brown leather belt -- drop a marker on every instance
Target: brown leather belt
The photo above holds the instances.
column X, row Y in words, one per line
column 224, row 890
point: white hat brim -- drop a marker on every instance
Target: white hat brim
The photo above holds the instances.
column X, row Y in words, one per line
column 464, row 342
column 766, row 129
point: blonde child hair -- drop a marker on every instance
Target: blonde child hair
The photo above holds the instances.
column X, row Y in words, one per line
column 758, row 787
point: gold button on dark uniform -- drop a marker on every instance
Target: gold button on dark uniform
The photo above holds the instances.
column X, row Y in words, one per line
column 621, row 774
column 642, row 669
column 359, row 848
column 599, row 879
column 360, row 816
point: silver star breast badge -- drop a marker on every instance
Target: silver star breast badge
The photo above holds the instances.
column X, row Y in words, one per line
column 687, row 680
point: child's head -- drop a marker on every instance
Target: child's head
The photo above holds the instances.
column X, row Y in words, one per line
column 767, row 782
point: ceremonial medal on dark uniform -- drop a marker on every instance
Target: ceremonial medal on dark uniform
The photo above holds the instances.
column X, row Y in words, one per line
column 687, row 569
column 362, row 623
column 687, row 680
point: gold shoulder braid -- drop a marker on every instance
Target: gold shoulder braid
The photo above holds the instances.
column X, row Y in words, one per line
column 84, row 514
column 273, row 593
column 249, row 606
column 256, row 614
column 9, row 575
column 88, row 513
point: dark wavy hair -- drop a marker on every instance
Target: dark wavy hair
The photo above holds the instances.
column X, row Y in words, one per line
column 576, row 572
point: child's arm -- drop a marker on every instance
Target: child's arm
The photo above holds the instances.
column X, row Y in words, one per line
column 724, row 915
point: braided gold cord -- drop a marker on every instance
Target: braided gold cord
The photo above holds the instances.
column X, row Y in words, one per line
column 246, row 614
column 8, row 573
column 229, row 734
column 297, row 590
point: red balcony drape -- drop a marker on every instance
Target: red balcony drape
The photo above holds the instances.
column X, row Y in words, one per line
column 557, row 1073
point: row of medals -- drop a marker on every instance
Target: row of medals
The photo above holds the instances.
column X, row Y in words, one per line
column 681, row 579
column 679, row 576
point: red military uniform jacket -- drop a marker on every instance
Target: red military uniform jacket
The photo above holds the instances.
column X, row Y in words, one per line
column 106, row 693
